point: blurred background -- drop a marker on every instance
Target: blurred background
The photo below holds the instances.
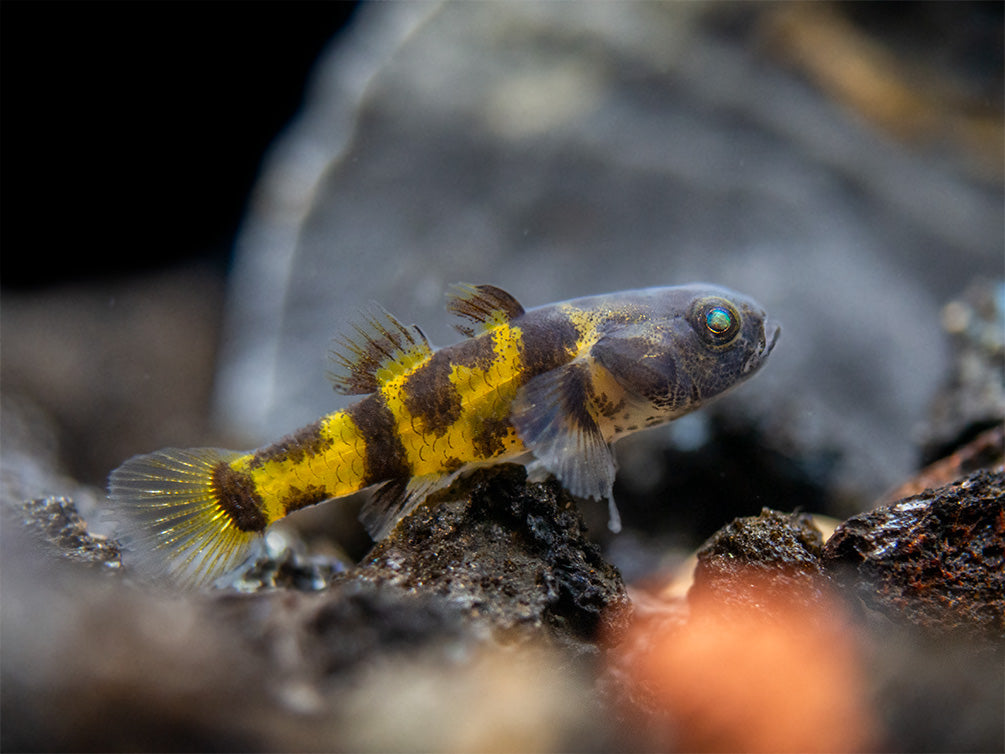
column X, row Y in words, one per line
column 133, row 135
column 197, row 197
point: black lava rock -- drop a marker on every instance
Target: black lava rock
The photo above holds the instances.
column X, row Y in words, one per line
column 514, row 556
column 56, row 522
column 337, row 631
column 772, row 558
column 972, row 399
column 934, row 560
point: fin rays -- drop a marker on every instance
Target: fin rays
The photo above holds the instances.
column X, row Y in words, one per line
column 484, row 305
column 552, row 416
column 170, row 519
column 396, row 499
column 377, row 348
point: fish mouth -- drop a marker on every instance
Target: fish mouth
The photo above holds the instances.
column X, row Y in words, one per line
column 771, row 332
column 769, row 336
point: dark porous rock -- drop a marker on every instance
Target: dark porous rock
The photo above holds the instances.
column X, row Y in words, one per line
column 56, row 522
column 316, row 645
column 973, row 397
column 356, row 620
column 934, row 560
column 514, row 556
column 778, row 552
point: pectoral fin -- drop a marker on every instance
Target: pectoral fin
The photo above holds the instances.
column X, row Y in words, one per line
column 554, row 416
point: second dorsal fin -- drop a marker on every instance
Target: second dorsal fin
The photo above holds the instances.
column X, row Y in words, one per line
column 484, row 305
column 374, row 350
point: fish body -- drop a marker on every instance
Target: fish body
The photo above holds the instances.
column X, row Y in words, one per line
column 555, row 386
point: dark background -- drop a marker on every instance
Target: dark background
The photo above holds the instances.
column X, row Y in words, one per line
column 132, row 132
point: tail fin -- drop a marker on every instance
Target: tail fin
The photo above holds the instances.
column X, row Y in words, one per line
column 172, row 518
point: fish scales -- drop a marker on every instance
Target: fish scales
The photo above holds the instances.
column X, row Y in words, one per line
column 450, row 410
column 554, row 386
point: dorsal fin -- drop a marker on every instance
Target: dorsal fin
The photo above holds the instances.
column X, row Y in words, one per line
column 484, row 305
column 374, row 350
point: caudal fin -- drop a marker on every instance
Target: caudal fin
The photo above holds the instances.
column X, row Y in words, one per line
column 170, row 517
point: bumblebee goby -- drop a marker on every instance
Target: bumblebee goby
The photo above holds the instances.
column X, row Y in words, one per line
column 552, row 387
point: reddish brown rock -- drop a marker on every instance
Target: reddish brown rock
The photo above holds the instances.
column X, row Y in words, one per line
column 934, row 560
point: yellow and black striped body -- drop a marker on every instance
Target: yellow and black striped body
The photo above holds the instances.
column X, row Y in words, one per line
column 448, row 412
column 557, row 383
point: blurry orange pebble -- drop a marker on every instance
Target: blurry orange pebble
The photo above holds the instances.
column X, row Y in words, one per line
column 767, row 676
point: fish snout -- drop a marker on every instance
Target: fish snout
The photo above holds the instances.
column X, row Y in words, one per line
column 769, row 337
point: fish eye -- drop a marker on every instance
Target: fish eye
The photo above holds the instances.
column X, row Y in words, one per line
column 716, row 320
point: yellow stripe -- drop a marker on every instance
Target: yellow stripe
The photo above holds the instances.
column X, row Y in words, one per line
column 486, row 393
column 486, row 396
column 338, row 469
column 489, row 393
column 585, row 321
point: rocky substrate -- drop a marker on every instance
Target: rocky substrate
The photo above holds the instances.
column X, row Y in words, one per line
column 492, row 619
column 490, row 622
column 839, row 162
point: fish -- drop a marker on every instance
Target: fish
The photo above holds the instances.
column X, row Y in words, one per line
column 552, row 387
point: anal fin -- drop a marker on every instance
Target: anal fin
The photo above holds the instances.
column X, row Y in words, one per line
column 398, row 498
column 374, row 350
